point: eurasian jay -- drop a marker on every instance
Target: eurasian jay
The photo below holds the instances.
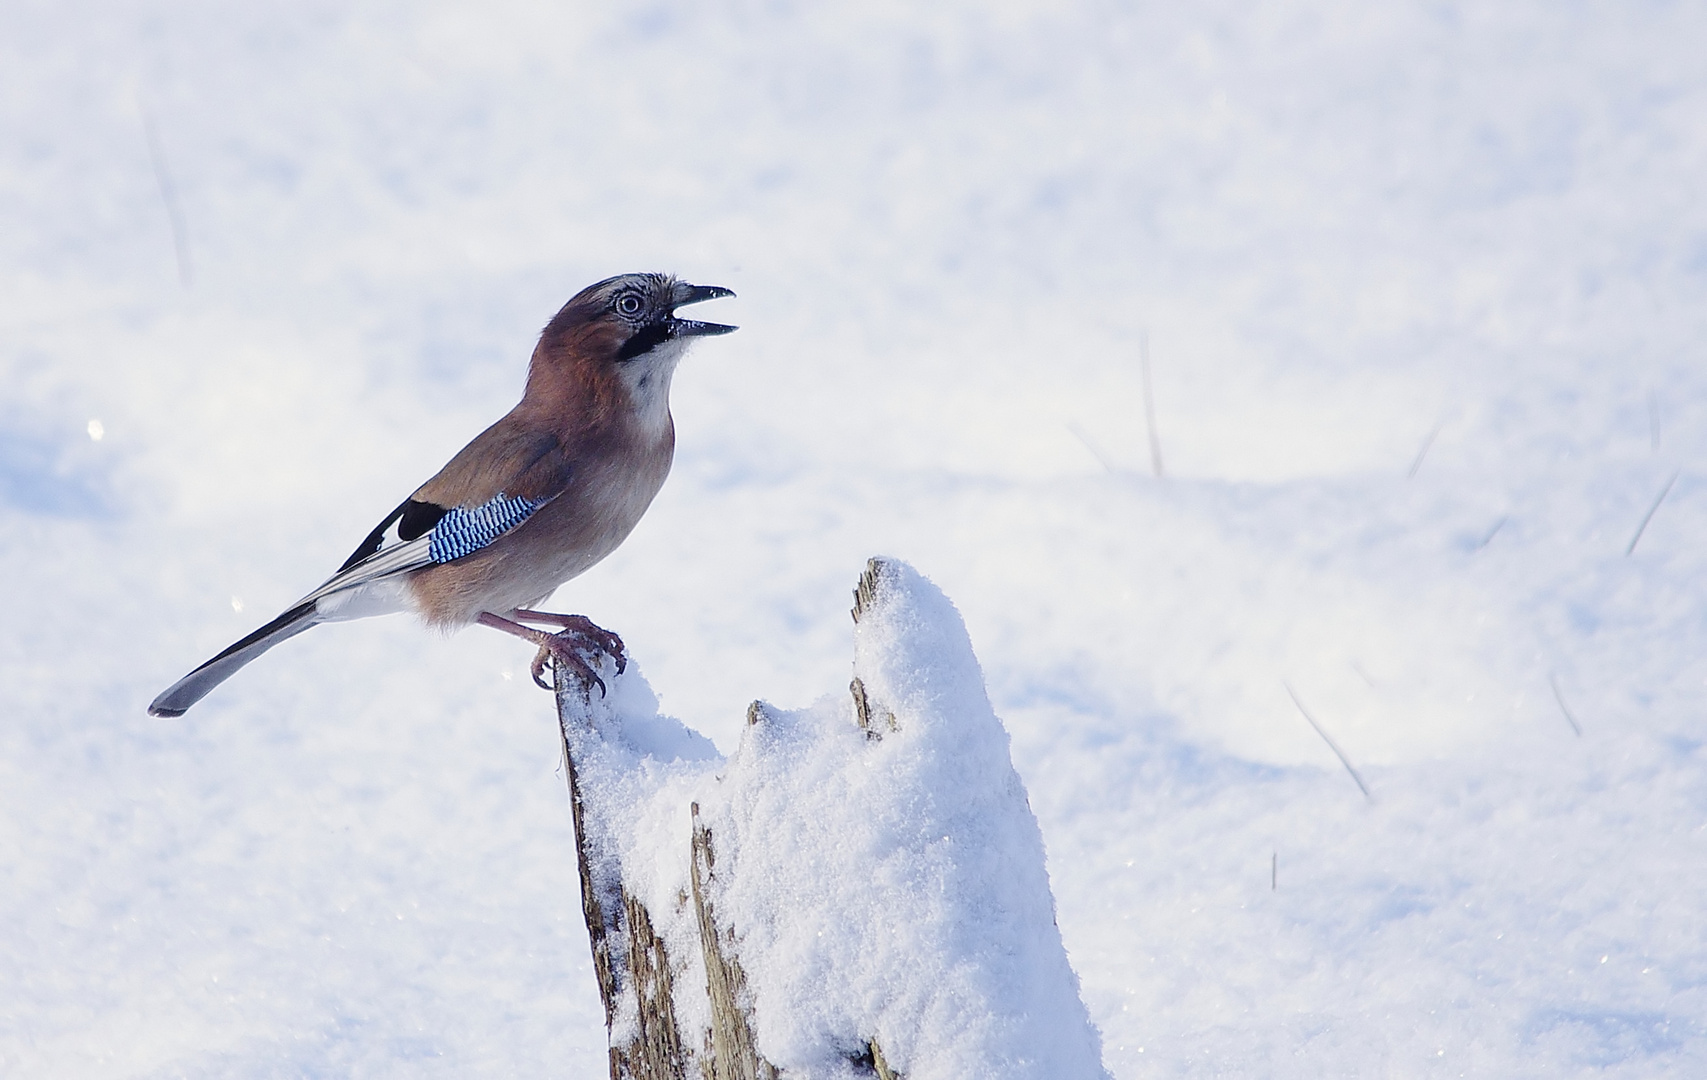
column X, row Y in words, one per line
column 534, row 500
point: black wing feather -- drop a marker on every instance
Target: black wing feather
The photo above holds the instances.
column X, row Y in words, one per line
column 412, row 517
column 419, row 519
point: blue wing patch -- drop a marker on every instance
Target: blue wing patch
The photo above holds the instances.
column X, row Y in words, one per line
column 465, row 530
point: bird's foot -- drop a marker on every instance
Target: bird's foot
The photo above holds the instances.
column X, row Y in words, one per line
column 579, row 628
column 554, row 652
column 577, row 648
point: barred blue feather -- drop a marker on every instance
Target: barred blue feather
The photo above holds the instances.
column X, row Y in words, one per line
column 465, row 530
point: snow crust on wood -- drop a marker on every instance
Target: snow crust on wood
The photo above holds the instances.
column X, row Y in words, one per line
column 888, row 885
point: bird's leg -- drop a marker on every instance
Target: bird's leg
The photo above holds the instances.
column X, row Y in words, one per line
column 566, row 647
column 581, row 627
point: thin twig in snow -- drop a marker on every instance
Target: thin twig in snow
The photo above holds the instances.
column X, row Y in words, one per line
column 1091, row 446
column 1418, row 463
column 1652, row 510
column 1274, row 872
column 1566, row 709
column 1149, row 403
column 169, row 196
column 1361, row 786
column 1493, row 532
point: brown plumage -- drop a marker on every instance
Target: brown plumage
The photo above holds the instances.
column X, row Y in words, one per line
column 535, row 500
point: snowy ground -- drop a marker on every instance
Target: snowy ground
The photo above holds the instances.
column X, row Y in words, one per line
column 1363, row 241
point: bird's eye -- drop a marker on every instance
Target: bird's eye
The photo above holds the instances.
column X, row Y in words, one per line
column 629, row 304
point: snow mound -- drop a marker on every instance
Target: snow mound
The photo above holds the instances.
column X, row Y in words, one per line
column 878, row 868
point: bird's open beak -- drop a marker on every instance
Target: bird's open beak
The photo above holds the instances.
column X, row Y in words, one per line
column 686, row 294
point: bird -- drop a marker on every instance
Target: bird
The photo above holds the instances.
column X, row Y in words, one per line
column 536, row 499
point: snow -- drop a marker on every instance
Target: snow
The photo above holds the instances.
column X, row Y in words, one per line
column 1350, row 232
column 889, row 887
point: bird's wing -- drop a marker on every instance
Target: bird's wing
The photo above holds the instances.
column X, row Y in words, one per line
column 422, row 534
column 497, row 482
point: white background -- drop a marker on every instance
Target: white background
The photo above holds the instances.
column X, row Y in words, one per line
column 1360, row 239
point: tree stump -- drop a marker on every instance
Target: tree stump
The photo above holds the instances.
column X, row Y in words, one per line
column 867, row 866
column 635, row 977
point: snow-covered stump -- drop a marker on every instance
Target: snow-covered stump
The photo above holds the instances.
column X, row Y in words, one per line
column 859, row 890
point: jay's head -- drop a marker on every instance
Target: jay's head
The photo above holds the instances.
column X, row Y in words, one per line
column 630, row 320
column 617, row 343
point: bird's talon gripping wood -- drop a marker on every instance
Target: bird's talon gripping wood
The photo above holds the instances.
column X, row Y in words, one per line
column 603, row 640
column 573, row 650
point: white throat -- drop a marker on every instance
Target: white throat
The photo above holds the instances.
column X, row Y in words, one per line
column 647, row 378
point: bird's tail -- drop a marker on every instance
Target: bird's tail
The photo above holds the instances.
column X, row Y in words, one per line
column 197, row 684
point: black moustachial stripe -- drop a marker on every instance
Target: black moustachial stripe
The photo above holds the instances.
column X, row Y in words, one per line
column 645, row 339
column 417, row 518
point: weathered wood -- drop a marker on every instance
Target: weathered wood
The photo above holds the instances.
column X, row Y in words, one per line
column 862, row 706
column 598, row 928
column 629, row 959
column 865, row 593
column 655, row 1052
column 884, row 1072
column 730, row 1051
column 874, row 720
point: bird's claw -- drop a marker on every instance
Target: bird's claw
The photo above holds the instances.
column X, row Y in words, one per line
column 571, row 648
column 597, row 637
